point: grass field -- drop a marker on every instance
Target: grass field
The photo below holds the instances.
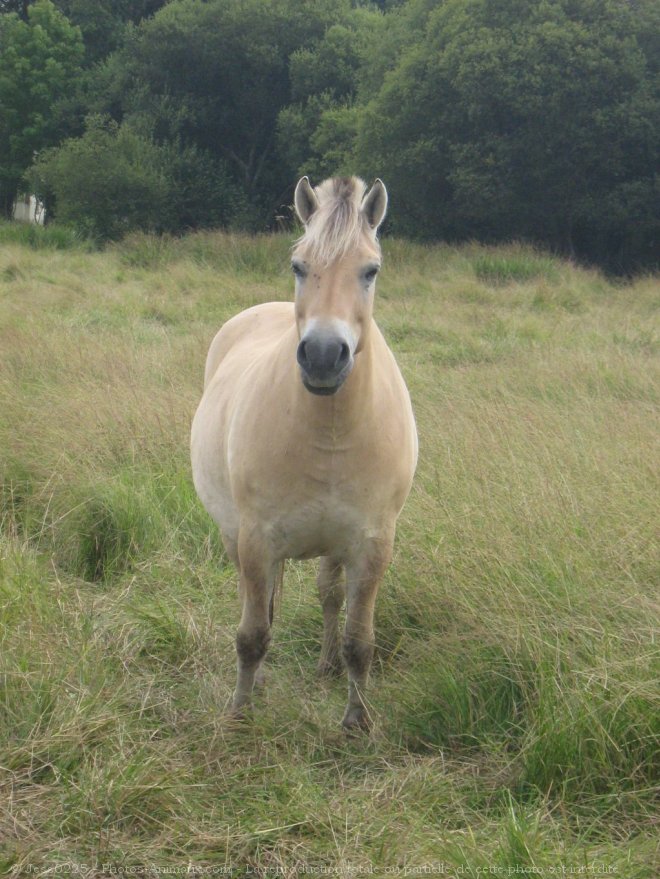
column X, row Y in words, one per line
column 515, row 686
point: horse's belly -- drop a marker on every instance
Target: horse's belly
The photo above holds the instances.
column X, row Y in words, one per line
column 317, row 527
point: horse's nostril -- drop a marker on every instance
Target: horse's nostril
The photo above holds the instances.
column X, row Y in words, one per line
column 323, row 356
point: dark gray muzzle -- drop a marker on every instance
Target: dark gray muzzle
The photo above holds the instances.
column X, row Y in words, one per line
column 325, row 361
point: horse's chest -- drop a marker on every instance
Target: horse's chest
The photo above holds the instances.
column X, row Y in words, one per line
column 303, row 477
column 313, row 501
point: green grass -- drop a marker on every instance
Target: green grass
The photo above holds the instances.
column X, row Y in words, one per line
column 55, row 236
column 515, row 264
column 515, row 685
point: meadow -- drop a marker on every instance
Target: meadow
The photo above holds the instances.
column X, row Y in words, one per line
column 515, row 686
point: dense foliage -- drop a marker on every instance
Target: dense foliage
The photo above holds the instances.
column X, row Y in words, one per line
column 39, row 59
column 112, row 180
column 490, row 119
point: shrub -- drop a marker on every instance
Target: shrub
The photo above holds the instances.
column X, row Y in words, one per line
column 114, row 180
column 106, row 182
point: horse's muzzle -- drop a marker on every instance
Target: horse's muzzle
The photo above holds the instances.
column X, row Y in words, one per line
column 325, row 362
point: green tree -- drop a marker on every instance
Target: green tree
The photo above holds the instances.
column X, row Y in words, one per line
column 216, row 75
column 316, row 131
column 39, row 61
column 107, row 182
column 20, row 7
column 524, row 119
column 103, row 22
column 114, row 180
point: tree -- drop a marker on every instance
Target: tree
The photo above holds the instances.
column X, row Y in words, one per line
column 103, row 22
column 107, row 182
column 316, row 130
column 20, row 7
column 522, row 119
column 216, row 74
column 39, row 61
column 114, row 180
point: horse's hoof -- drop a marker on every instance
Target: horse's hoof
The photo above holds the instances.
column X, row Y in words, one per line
column 329, row 668
column 240, row 710
column 236, row 720
column 356, row 720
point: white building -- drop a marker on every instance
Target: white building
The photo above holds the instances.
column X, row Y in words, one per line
column 28, row 209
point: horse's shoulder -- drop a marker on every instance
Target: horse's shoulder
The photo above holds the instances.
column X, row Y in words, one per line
column 253, row 325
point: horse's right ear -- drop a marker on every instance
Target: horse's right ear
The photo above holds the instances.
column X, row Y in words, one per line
column 305, row 200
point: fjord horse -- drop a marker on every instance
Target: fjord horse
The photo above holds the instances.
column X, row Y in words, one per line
column 304, row 443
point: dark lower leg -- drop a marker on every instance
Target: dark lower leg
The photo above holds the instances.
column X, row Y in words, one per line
column 358, row 653
column 253, row 635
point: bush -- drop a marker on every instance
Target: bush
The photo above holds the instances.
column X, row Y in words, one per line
column 201, row 194
column 114, row 180
column 106, row 182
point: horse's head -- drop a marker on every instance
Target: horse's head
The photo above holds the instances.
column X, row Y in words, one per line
column 335, row 264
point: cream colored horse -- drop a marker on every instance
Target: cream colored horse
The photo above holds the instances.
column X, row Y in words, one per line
column 304, row 442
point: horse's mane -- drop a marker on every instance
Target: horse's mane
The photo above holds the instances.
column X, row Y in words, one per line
column 337, row 225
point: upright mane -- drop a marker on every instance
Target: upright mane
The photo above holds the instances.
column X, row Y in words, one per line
column 337, row 225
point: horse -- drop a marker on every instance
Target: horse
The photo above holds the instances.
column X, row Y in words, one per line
column 304, row 443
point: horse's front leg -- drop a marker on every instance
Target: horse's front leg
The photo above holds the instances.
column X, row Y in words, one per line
column 363, row 576
column 330, row 582
column 257, row 573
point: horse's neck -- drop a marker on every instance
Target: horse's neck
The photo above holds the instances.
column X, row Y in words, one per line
column 342, row 411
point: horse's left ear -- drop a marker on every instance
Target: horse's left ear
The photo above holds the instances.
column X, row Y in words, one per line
column 374, row 204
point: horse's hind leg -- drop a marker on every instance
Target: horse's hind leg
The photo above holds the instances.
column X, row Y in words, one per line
column 253, row 635
column 363, row 576
column 330, row 582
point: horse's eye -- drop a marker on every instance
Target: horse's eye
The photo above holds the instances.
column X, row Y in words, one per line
column 371, row 274
column 297, row 270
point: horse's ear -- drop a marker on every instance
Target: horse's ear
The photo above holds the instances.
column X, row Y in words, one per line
column 374, row 204
column 305, row 200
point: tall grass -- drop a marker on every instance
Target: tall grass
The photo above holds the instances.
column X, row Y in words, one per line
column 516, row 677
column 52, row 237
